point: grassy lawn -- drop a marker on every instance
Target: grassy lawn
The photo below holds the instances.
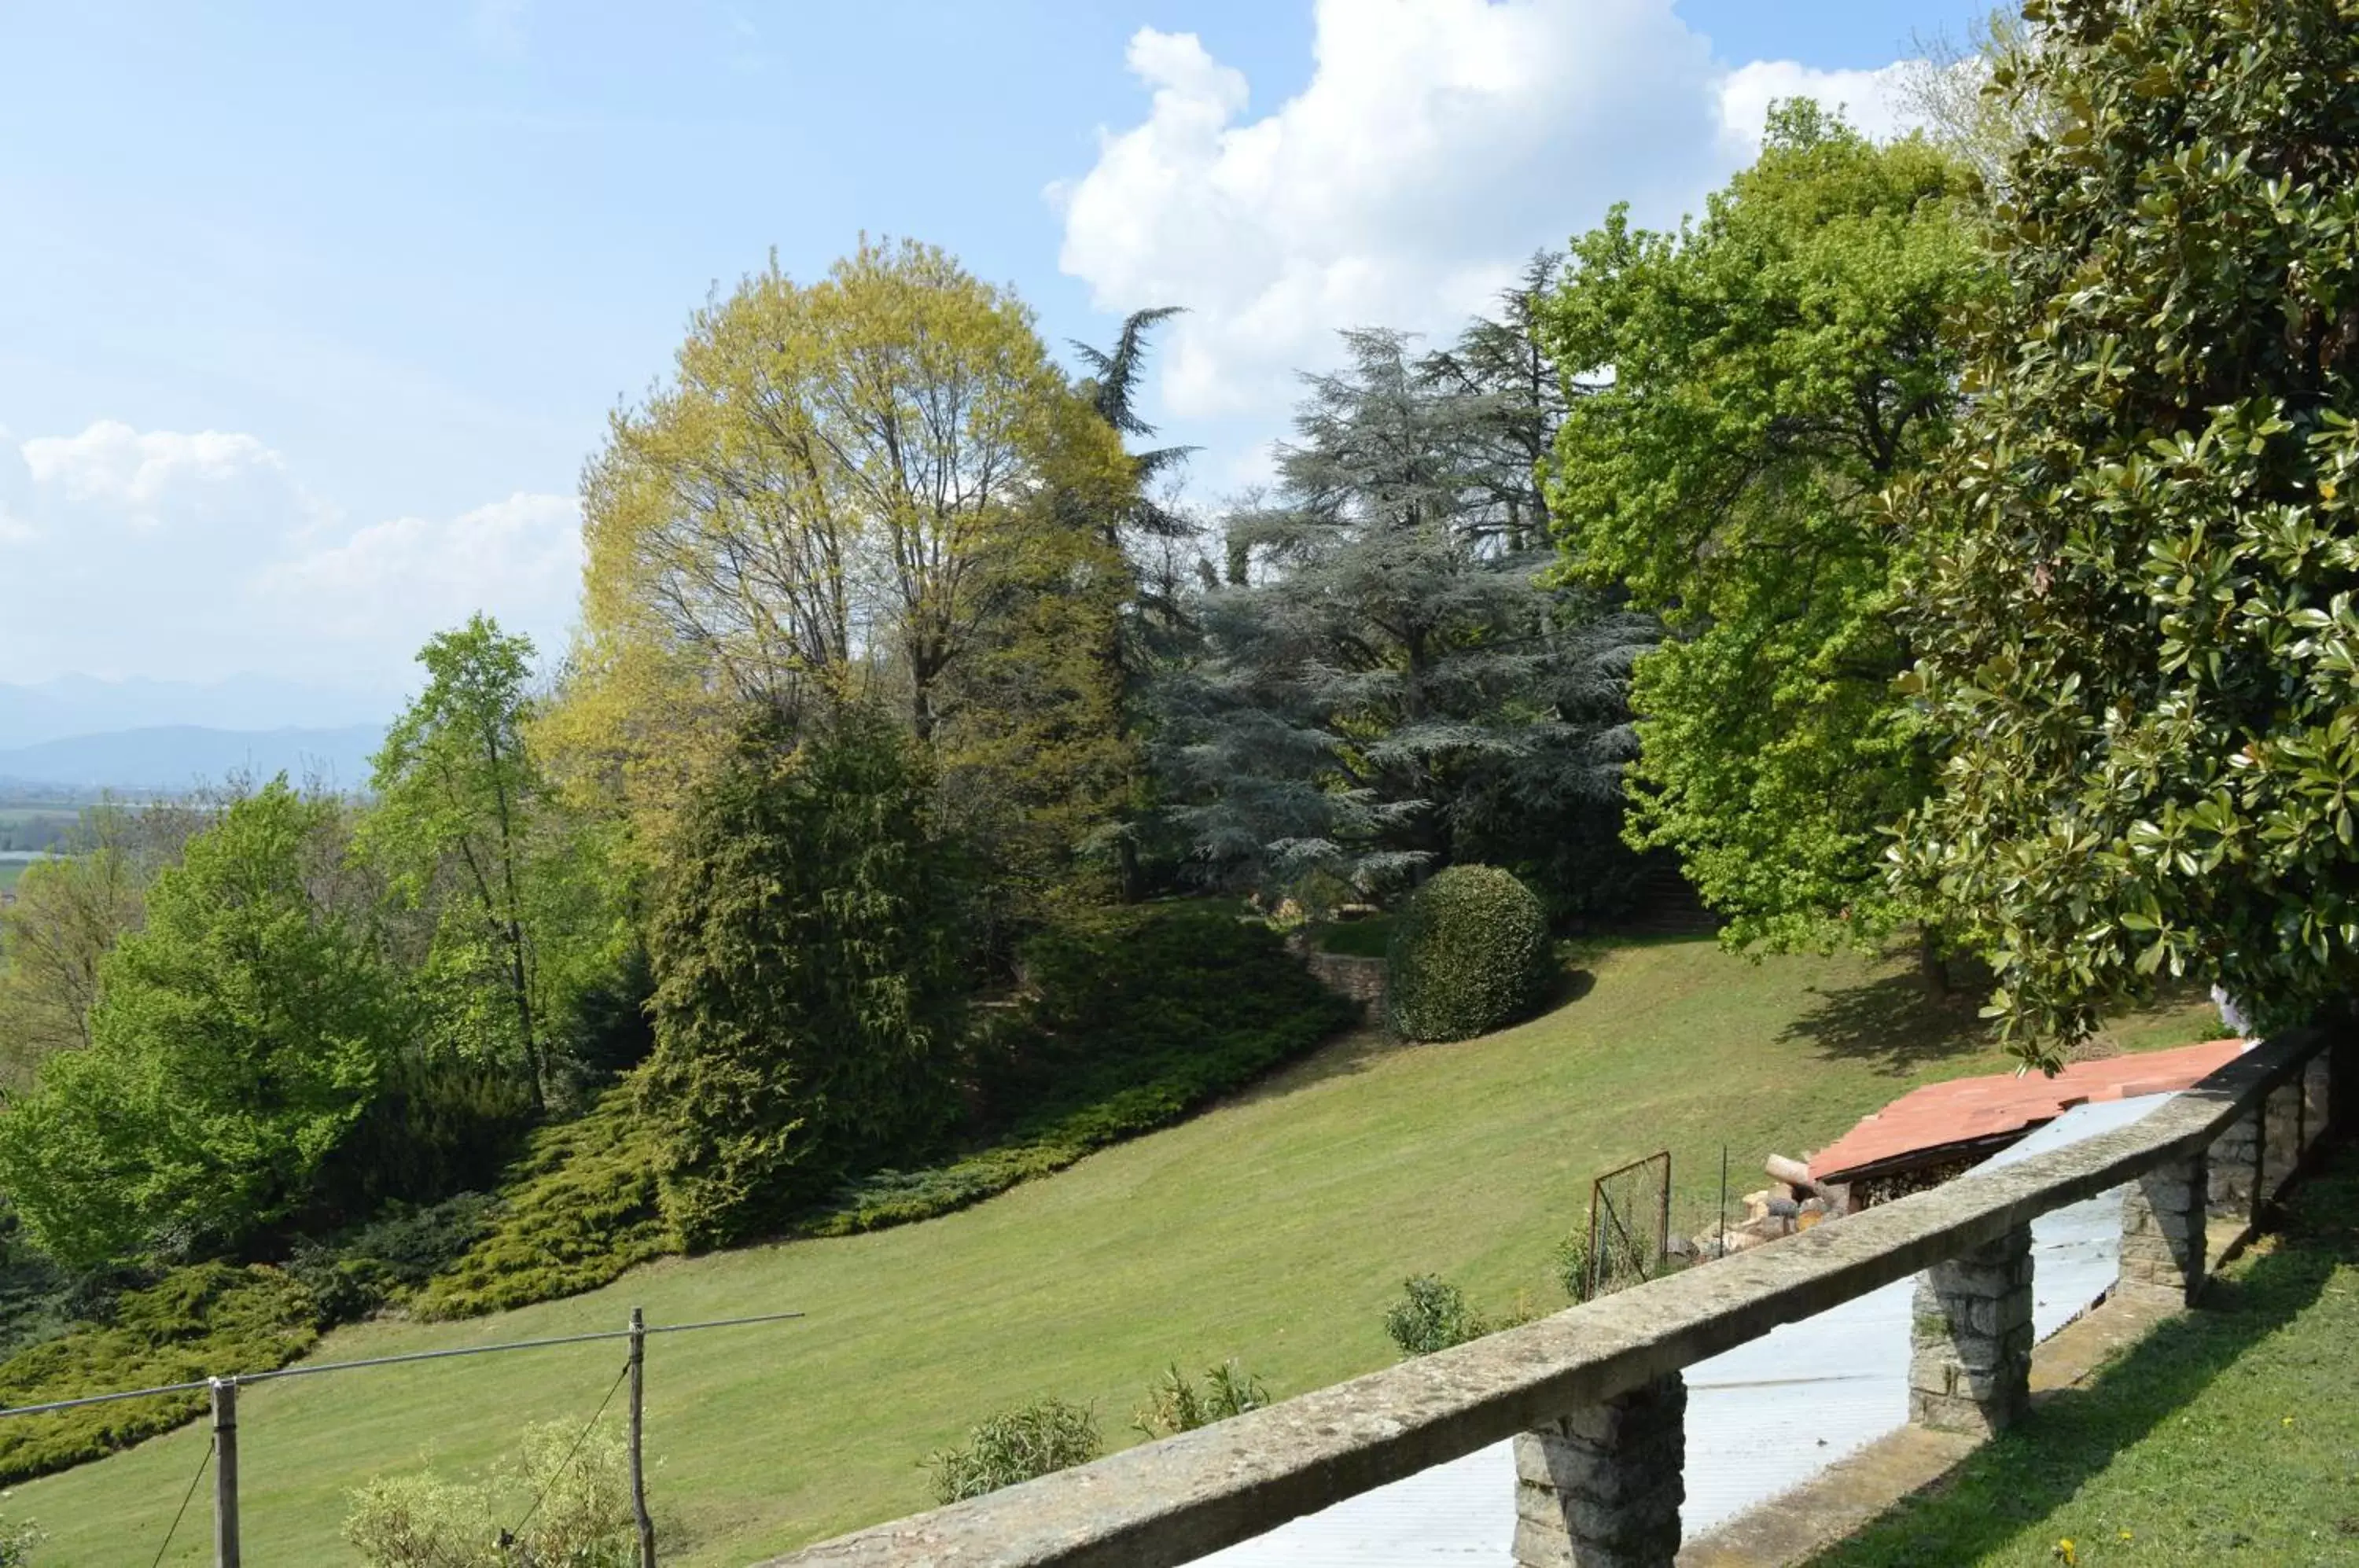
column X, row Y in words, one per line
column 1365, row 938
column 2229, row 1436
column 1273, row 1229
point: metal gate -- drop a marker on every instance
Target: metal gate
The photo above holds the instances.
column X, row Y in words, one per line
column 1629, row 1224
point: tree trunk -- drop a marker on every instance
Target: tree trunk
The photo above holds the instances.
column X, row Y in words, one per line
column 1931, row 965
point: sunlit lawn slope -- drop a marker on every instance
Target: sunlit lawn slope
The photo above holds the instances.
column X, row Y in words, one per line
column 1273, row 1229
column 2228, row 1436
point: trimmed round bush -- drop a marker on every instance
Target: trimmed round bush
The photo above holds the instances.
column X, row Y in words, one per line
column 1469, row 953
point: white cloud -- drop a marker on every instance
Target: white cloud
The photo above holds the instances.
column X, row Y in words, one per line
column 519, row 558
column 1869, row 99
column 112, row 465
column 1436, row 143
column 196, row 556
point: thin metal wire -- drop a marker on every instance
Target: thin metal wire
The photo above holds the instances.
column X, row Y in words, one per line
column 186, row 1497
column 579, row 1439
column 518, row 1345
column 387, row 1361
column 102, row 1399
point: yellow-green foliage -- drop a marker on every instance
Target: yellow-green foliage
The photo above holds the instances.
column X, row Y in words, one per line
column 868, row 543
column 579, row 1507
column 206, row 1320
column 576, row 1211
column 1047, row 1435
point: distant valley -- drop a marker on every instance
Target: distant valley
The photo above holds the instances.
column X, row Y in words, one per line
column 176, row 758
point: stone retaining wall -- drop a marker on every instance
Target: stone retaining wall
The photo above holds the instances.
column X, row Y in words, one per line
column 1361, row 980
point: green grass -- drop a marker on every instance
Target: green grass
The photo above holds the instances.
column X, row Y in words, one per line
column 2228, row 1436
column 1275, row 1228
column 1365, row 938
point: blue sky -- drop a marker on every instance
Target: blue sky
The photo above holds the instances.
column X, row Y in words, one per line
column 309, row 314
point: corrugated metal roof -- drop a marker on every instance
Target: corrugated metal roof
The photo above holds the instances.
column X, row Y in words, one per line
column 1968, row 1110
column 1762, row 1419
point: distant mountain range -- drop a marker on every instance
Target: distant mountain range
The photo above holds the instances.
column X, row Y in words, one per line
column 74, row 706
column 174, row 757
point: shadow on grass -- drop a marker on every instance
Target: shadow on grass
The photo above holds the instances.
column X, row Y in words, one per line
column 2012, row 1485
column 1350, row 1053
column 1891, row 1022
column 1565, row 987
column 1357, row 1050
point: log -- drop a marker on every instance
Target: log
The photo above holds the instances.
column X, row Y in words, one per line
column 1793, row 1172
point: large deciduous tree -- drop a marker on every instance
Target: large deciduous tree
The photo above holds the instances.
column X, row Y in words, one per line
column 838, row 496
column 68, row 912
column 1760, row 377
column 2141, row 656
column 512, row 892
column 237, row 1037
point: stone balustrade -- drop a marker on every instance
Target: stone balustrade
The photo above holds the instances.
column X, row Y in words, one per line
column 1594, row 1394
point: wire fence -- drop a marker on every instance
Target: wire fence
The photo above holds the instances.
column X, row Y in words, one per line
column 1640, row 1225
column 1629, row 1224
column 220, row 1449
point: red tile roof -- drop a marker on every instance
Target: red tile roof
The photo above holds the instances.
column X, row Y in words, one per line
column 1969, row 1110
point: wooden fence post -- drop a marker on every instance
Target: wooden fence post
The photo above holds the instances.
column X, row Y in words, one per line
column 638, row 1467
column 225, row 1535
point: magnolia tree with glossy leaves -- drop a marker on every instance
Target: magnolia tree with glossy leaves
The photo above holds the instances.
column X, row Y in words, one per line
column 2140, row 659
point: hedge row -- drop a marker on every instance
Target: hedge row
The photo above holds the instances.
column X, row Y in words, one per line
column 1137, row 1020
column 574, row 1213
column 199, row 1322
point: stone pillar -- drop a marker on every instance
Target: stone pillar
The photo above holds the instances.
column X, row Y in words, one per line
column 2317, row 1099
column 1970, row 1370
column 2163, row 1242
column 2342, row 1055
column 2233, row 1166
column 1601, row 1487
column 2280, row 1136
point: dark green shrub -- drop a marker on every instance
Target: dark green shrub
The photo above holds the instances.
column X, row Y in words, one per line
column 809, row 1001
column 204, row 1320
column 352, row 1274
column 1176, row 1404
column 576, row 1211
column 434, row 1129
column 1470, row 954
column 1139, row 1018
column 1032, row 1440
column 1432, row 1314
column 1181, row 998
